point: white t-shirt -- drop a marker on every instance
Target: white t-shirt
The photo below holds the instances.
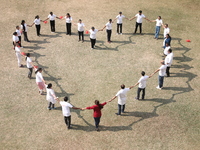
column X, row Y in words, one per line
column 68, row 20
column 50, row 97
column 81, row 26
column 108, row 26
column 26, row 28
column 28, row 62
column 120, row 18
column 166, row 31
column 38, row 77
column 121, row 94
column 17, row 50
column 93, row 33
column 15, row 38
column 37, row 21
column 162, row 70
column 51, row 17
column 143, row 81
column 166, row 50
column 18, row 32
column 139, row 18
column 159, row 22
column 65, row 108
column 169, row 59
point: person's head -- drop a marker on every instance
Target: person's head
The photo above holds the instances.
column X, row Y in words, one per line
column 17, row 27
column 28, row 55
column 93, row 28
column 166, row 25
column 51, row 13
column 122, row 86
column 79, row 20
column 159, row 17
column 68, row 15
column 170, row 50
column 167, row 44
column 15, row 33
column 65, row 98
column 23, row 21
column 120, row 13
column 37, row 17
column 167, row 36
column 49, row 86
column 162, row 62
column 110, row 20
column 97, row 103
column 142, row 73
column 38, row 70
column 140, row 12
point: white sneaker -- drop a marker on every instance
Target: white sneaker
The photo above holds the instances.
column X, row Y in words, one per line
column 158, row 88
column 120, row 33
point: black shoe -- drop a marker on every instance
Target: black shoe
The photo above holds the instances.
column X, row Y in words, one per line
column 136, row 98
column 97, row 129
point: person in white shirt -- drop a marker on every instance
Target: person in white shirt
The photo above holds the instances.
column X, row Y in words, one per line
column 108, row 27
column 168, row 61
column 15, row 39
column 24, row 30
column 81, row 27
column 18, row 54
column 121, row 94
column 166, row 30
column 142, row 85
column 159, row 23
column 50, row 97
column 93, row 33
column 19, row 35
column 167, row 47
column 66, row 110
column 52, row 17
column 68, row 20
column 139, row 17
column 37, row 24
column 39, row 80
column 29, row 65
column 119, row 22
column 162, row 71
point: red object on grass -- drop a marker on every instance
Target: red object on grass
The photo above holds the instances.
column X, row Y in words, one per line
column 188, row 41
column 45, row 22
column 23, row 53
column 86, row 31
column 61, row 17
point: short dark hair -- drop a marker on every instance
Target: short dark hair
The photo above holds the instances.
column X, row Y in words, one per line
column 65, row 98
column 122, row 86
column 49, row 85
column 120, row 12
column 170, row 50
column 140, row 11
column 142, row 73
column 15, row 33
column 110, row 20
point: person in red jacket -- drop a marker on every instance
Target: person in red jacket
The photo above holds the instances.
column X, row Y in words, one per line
column 97, row 112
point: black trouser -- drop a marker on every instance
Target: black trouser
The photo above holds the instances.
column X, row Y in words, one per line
column 25, row 36
column 97, row 121
column 121, row 108
column 52, row 25
column 38, row 29
column 20, row 41
column 138, row 92
column 109, row 35
column 67, row 121
column 81, row 33
column 51, row 104
column 68, row 27
column 136, row 26
column 15, row 44
column 93, row 41
column 30, row 72
column 119, row 25
column 167, row 71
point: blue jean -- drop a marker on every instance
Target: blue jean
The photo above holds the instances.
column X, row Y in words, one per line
column 97, row 121
column 120, row 108
column 160, row 81
column 157, row 31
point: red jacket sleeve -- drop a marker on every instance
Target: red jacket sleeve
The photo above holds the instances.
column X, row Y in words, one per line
column 91, row 107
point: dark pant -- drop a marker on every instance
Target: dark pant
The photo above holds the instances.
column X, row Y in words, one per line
column 30, row 72
column 51, row 104
column 93, row 41
column 38, row 29
column 80, row 33
column 136, row 26
column 167, row 71
column 68, row 28
column 138, row 92
column 97, row 121
column 109, row 35
column 119, row 26
column 52, row 25
column 121, row 108
column 67, row 121
column 25, row 36
column 15, row 44
column 160, row 81
column 20, row 41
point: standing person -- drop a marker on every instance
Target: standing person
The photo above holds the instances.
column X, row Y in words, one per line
column 97, row 112
column 39, row 80
column 19, row 35
column 37, row 24
column 51, row 97
column 24, row 30
column 108, row 27
column 121, row 94
column 93, row 33
column 119, row 22
column 18, row 54
column 159, row 23
column 81, row 27
column 168, row 61
column 15, row 40
column 167, row 40
column 139, row 17
column 167, row 47
column 68, row 19
column 142, row 85
column 29, row 65
column 52, row 17
column 166, row 30
column 162, row 71
column 66, row 110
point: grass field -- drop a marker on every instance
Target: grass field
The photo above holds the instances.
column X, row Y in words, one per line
column 168, row 119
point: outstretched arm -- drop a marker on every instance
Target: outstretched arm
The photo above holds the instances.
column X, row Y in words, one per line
column 112, row 98
column 132, row 18
column 154, row 73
